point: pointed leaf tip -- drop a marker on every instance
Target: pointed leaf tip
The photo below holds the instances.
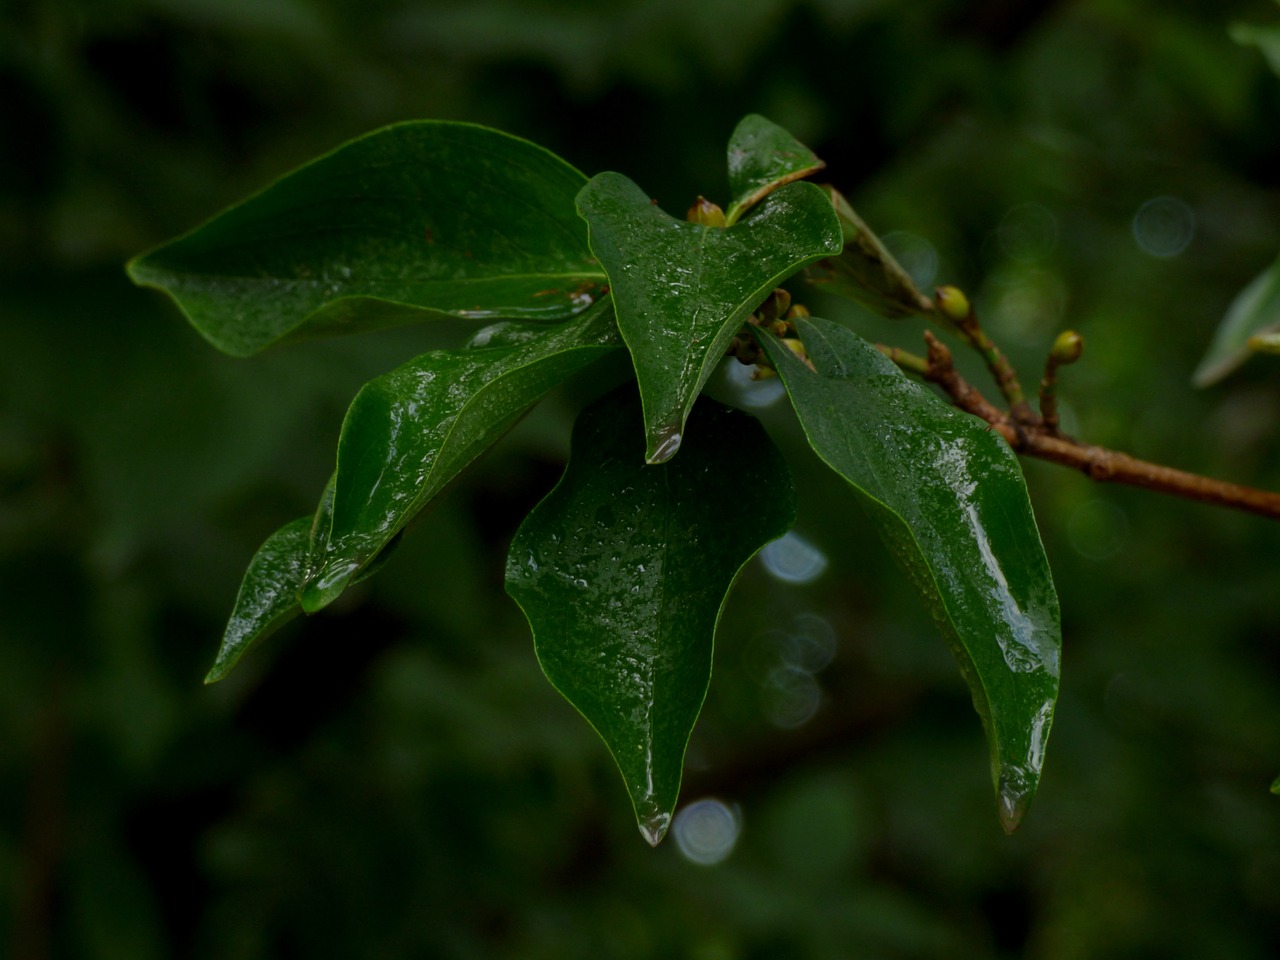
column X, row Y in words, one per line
column 682, row 290
column 1254, row 311
column 268, row 595
column 1013, row 796
column 951, row 503
column 654, row 826
column 622, row 572
column 412, row 431
column 762, row 157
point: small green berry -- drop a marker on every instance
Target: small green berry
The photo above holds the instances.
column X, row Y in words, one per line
column 953, row 303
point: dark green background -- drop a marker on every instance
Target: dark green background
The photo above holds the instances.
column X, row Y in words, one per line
column 394, row 778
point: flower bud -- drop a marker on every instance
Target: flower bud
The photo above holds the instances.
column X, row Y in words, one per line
column 705, row 213
column 1068, row 347
column 953, row 303
column 796, row 347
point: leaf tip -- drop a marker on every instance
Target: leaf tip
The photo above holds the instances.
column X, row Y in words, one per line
column 217, row 672
column 653, row 826
column 1013, row 796
column 1275, row 786
column 663, row 445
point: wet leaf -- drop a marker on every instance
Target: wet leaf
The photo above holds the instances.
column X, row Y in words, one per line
column 622, row 572
column 412, row 221
column 410, row 432
column 762, row 158
column 268, row 595
column 682, row 290
column 950, row 500
column 1254, row 312
column 865, row 271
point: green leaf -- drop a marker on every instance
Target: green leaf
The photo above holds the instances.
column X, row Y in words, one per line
column 865, row 271
column 268, row 595
column 682, row 290
column 950, row 500
column 1266, row 39
column 410, row 222
column 1254, row 312
column 622, row 572
column 408, row 433
column 762, row 158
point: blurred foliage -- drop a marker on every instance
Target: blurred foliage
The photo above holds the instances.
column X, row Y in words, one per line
column 394, row 777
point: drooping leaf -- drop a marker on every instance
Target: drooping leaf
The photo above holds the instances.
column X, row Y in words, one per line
column 408, row 433
column 950, row 500
column 763, row 157
column 1254, row 312
column 408, row 222
column 622, row 572
column 682, row 290
column 865, row 271
column 269, row 592
column 268, row 595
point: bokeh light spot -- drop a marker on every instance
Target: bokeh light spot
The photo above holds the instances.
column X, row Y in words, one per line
column 791, row 697
column 755, row 394
column 1164, row 226
column 792, row 559
column 915, row 254
column 1028, row 233
column 1097, row 529
column 706, row 831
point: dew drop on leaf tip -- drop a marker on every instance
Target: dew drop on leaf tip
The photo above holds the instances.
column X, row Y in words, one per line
column 653, row 826
column 668, row 444
column 1014, row 796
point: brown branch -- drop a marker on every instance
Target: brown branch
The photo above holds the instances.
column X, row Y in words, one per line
column 1098, row 463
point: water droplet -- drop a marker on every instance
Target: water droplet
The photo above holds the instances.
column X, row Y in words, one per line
column 653, row 827
column 1014, row 795
column 668, row 444
column 580, row 583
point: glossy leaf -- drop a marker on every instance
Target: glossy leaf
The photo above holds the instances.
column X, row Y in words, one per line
column 865, row 271
column 410, row 432
column 268, row 595
column 622, row 572
column 1254, row 312
column 763, row 157
column 412, row 221
column 950, row 500
column 682, row 290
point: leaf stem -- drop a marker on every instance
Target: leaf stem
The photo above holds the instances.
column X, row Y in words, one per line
column 1066, row 349
column 998, row 364
column 909, row 362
